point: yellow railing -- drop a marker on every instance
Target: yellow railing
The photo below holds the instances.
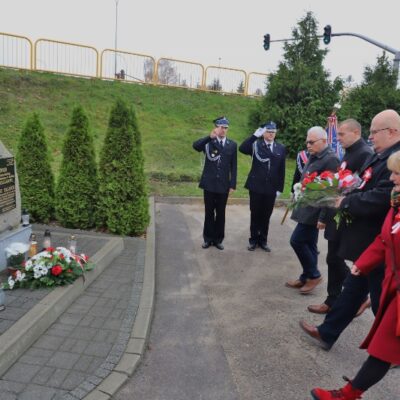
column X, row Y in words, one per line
column 66, row 58
column 81, row 60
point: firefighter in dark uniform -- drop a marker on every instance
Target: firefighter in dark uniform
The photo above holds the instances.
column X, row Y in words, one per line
column 218, row 180
column 265, row 181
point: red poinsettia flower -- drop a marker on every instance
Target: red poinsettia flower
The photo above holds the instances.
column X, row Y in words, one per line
column 56, row 270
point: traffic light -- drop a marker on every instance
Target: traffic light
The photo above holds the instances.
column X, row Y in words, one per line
column 327, row 34
column 266, row 41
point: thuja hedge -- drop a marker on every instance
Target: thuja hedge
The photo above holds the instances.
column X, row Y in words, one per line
column 36, row 179
column 122, row 201
column 77, row 186
column 114, row 198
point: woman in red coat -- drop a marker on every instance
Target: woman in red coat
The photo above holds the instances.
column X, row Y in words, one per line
column 382, row 342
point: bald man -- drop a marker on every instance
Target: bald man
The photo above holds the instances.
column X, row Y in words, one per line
column 367, row 207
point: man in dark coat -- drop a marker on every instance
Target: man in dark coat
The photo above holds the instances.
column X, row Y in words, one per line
column 366, row 207
column 310, row 219
column 218, row 180
column 356, row 153
column 265, row 180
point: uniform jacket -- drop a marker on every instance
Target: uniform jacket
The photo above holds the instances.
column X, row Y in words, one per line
column 264, row 177
column 381, row 341
column 220, row 166
column 367, row 207
column 325, row 160
column 301, row 160
column 354, row 157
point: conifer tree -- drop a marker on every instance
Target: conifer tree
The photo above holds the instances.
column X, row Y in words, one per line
column 123, row 204
column 299, row 94
column 77, row 185
column 36, row 179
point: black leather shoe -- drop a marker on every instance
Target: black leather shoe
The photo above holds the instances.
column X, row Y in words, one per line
column 219, row 246
column 206, row 245
column 252, row 247
column 265, row 247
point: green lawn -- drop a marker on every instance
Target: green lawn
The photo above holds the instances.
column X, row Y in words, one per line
column 170, row 119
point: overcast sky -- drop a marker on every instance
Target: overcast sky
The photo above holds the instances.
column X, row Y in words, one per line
column 212, row 32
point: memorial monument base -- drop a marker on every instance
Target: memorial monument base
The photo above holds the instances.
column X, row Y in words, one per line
column 20, row 234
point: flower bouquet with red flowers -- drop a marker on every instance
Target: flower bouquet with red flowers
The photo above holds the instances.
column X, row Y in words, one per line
column 323, row 190
column 51, row 267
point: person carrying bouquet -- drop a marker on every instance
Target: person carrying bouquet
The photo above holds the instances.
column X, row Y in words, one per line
column 310, row 219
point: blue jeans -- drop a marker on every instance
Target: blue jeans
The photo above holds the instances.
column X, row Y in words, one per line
column 304, row 242
column 355, row 291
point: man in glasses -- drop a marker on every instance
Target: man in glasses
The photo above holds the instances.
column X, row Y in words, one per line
column 265, row 181
column 217, row 181
column 367, row 207
column 310, row 219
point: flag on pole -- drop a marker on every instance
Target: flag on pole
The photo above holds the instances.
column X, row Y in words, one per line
column 332, row 136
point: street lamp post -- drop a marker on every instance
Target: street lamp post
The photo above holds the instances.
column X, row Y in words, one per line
column 116, row 37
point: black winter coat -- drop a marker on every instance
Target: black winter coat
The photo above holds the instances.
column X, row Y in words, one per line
column 367, row 207
column 354, row 157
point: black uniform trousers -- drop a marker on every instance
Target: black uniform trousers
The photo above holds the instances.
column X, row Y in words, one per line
column 261, row 206
column 337, row 272
column 214, row 218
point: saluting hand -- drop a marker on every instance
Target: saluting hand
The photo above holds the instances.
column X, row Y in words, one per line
column 214, row 133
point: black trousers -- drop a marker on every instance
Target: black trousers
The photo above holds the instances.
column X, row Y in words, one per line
column 261, row 206
column 355, row 290
column 337, row 272
column 214, row 218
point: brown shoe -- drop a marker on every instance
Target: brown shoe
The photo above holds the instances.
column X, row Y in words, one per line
column 363, row 307
column 319, row 308
column 310, row 285
column 296, row 284
column 313, row 332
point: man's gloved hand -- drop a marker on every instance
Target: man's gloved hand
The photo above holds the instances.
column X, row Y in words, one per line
column 259, row 132
column 278, row 194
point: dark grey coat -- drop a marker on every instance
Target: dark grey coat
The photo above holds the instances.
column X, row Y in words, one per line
column 325, row 160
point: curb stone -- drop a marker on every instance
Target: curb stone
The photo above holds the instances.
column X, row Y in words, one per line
column 139, row 335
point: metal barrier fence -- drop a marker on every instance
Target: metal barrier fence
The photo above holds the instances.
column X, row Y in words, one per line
column 66, row 58
column 15, row 51
column 81, row 60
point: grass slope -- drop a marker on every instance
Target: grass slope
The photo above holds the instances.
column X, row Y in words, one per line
column 170, row 119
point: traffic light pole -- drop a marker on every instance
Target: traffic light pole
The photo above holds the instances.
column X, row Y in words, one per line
column 396, row 61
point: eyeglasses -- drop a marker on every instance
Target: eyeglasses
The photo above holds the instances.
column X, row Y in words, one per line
column 311, row 142
column 373, row 132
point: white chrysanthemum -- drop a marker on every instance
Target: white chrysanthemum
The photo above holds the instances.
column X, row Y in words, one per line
column 11, row 282
column 297, row 190
column 28, row 265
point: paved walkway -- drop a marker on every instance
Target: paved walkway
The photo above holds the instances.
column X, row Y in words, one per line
column 100, row 328
column 225, row 327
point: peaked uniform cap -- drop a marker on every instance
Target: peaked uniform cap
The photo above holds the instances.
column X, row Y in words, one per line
column 221, row 121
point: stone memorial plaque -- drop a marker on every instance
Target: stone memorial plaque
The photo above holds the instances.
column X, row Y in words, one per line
column 7, row 185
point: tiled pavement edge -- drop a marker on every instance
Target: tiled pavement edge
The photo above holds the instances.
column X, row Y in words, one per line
column 15, row 340
column 141, row 326
column 98, row 341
